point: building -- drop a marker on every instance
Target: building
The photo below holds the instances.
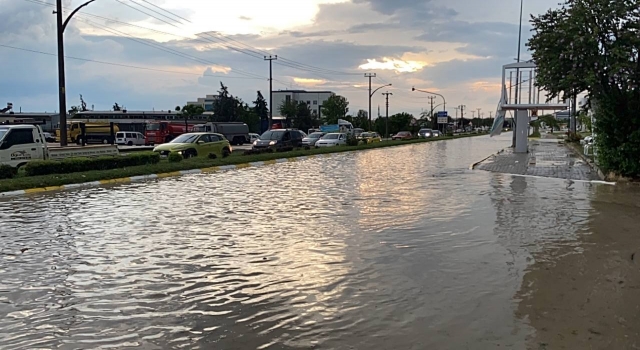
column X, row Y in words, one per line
column 314, row 99
column 205, row 102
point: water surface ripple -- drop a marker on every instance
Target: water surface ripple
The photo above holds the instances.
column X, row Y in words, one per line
column 399, row 248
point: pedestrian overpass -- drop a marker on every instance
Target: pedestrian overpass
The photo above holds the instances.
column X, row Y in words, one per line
column 521, row 97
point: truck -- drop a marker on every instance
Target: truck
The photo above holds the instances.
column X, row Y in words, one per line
column 21, row 144
column 236, row 133
column 157, row 133
column 94, row 132
column 343, row 126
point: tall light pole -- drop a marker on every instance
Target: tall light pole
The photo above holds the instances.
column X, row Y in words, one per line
column 62, row 93
column 518, row 70
column 386, row 127
column 270, row 59
column 370, row 75
column 370, row 96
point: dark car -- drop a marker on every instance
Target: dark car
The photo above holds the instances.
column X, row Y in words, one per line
column 402, row 135
column 279, row 138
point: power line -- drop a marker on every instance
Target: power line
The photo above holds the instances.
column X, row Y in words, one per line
column 150, row 15
column 167, row 11
column 154, row 11
column 168, row 50
column 124, row 65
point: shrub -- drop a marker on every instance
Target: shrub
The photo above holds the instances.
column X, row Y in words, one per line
column 72, row 165
column 573, row 137
column 7, row 172
column 352, row 140
column 285, row 149
column 449, row 134
column 174, row 157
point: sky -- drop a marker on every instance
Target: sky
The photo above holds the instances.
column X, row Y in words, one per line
column 159, row 54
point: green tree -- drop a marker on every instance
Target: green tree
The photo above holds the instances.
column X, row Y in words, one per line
column 592, row 46
column 289, row 110
column 361, row 120
column 260, row 107
column 336, row 107
column 304, row 119
column 190, row 111
column 224, row 107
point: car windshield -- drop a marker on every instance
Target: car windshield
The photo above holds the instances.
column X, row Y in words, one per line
column 153, row 127
column 367, row 134
column 316, row 135
column 2, row 132
column 425, row 130
column 185, row 138
column 272, row 135
column 331, row 137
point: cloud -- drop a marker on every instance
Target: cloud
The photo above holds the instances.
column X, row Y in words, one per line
column 393, row 64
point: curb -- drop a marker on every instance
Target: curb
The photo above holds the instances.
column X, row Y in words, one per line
column 142, row 178
column 473, row 165
column 586, row 159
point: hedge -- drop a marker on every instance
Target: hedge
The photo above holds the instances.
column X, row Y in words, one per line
column 72, row 165
column 7, row 172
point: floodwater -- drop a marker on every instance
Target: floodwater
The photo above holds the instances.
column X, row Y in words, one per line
column 399, row 248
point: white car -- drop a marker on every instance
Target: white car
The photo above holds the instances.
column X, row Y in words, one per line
column 253, row 137
column 332, row 140
column 129, row 138
column 312, row 139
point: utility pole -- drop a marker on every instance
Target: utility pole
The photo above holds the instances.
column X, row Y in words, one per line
column 270, row 59
column 386, row 129
column 370, row 75
column 455, row 122
column 62, row 90
column 431, row 98
column 462, row 107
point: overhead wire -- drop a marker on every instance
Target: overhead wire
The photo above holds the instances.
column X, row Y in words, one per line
column 124, row 65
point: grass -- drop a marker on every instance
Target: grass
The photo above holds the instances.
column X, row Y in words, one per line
column 22, row 181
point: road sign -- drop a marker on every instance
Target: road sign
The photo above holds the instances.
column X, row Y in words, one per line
column 443, row 120
column 442, row 114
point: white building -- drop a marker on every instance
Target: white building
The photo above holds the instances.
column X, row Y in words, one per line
column 314, row 99
column 205, row 102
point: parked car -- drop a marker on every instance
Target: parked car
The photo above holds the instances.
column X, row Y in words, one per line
column 436, row 133
column 130, row 138
column 196, row 144
column 332, row 140
column 279, row 138
column 253, row 137
column 312, row 139
column 425, row 133
column 370, row 137
column 402, row 135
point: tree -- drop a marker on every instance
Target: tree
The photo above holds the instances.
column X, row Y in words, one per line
column 224, row 107
column 177, row 108
column 190, row 111
column 262, row 111
column 361, row 120
column 336, row 107
column 116, row 107
column 592, row 46
column 304, row 119
column 289, row 109
column 83, row 105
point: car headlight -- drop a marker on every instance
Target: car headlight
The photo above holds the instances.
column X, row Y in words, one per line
column 255, row 143
column 273, row 143
column 179, row 152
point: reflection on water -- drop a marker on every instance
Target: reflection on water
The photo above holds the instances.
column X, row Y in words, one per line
column 400, row 248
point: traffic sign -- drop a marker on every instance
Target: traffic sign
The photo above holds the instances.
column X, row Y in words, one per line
column 442, row 114
column 443, row 120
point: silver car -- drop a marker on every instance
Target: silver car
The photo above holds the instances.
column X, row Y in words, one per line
column 312, row 138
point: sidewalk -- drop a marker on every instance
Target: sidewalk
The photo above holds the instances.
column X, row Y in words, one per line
column 546, row 158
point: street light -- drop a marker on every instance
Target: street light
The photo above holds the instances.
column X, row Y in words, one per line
column 62, row 94
column 370, row 96
column 433, row 93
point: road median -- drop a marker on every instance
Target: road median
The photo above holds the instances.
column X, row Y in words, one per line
column 23, row 184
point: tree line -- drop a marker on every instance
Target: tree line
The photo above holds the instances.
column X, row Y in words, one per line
column 593, row 46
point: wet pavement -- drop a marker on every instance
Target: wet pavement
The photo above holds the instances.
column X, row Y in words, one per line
column 395, row 248
column 546, row 158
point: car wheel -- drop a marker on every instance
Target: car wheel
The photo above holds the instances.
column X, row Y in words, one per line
column 225, row 152
column 130, row 143
column 190, row 153
column 105, row 141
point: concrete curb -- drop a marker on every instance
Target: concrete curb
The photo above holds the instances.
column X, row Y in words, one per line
column 586, row 159
column 143, row 178
column 473, row 165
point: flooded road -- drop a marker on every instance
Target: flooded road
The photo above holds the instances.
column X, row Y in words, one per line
column 397, row 248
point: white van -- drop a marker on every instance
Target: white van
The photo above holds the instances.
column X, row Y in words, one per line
column 129, row 138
